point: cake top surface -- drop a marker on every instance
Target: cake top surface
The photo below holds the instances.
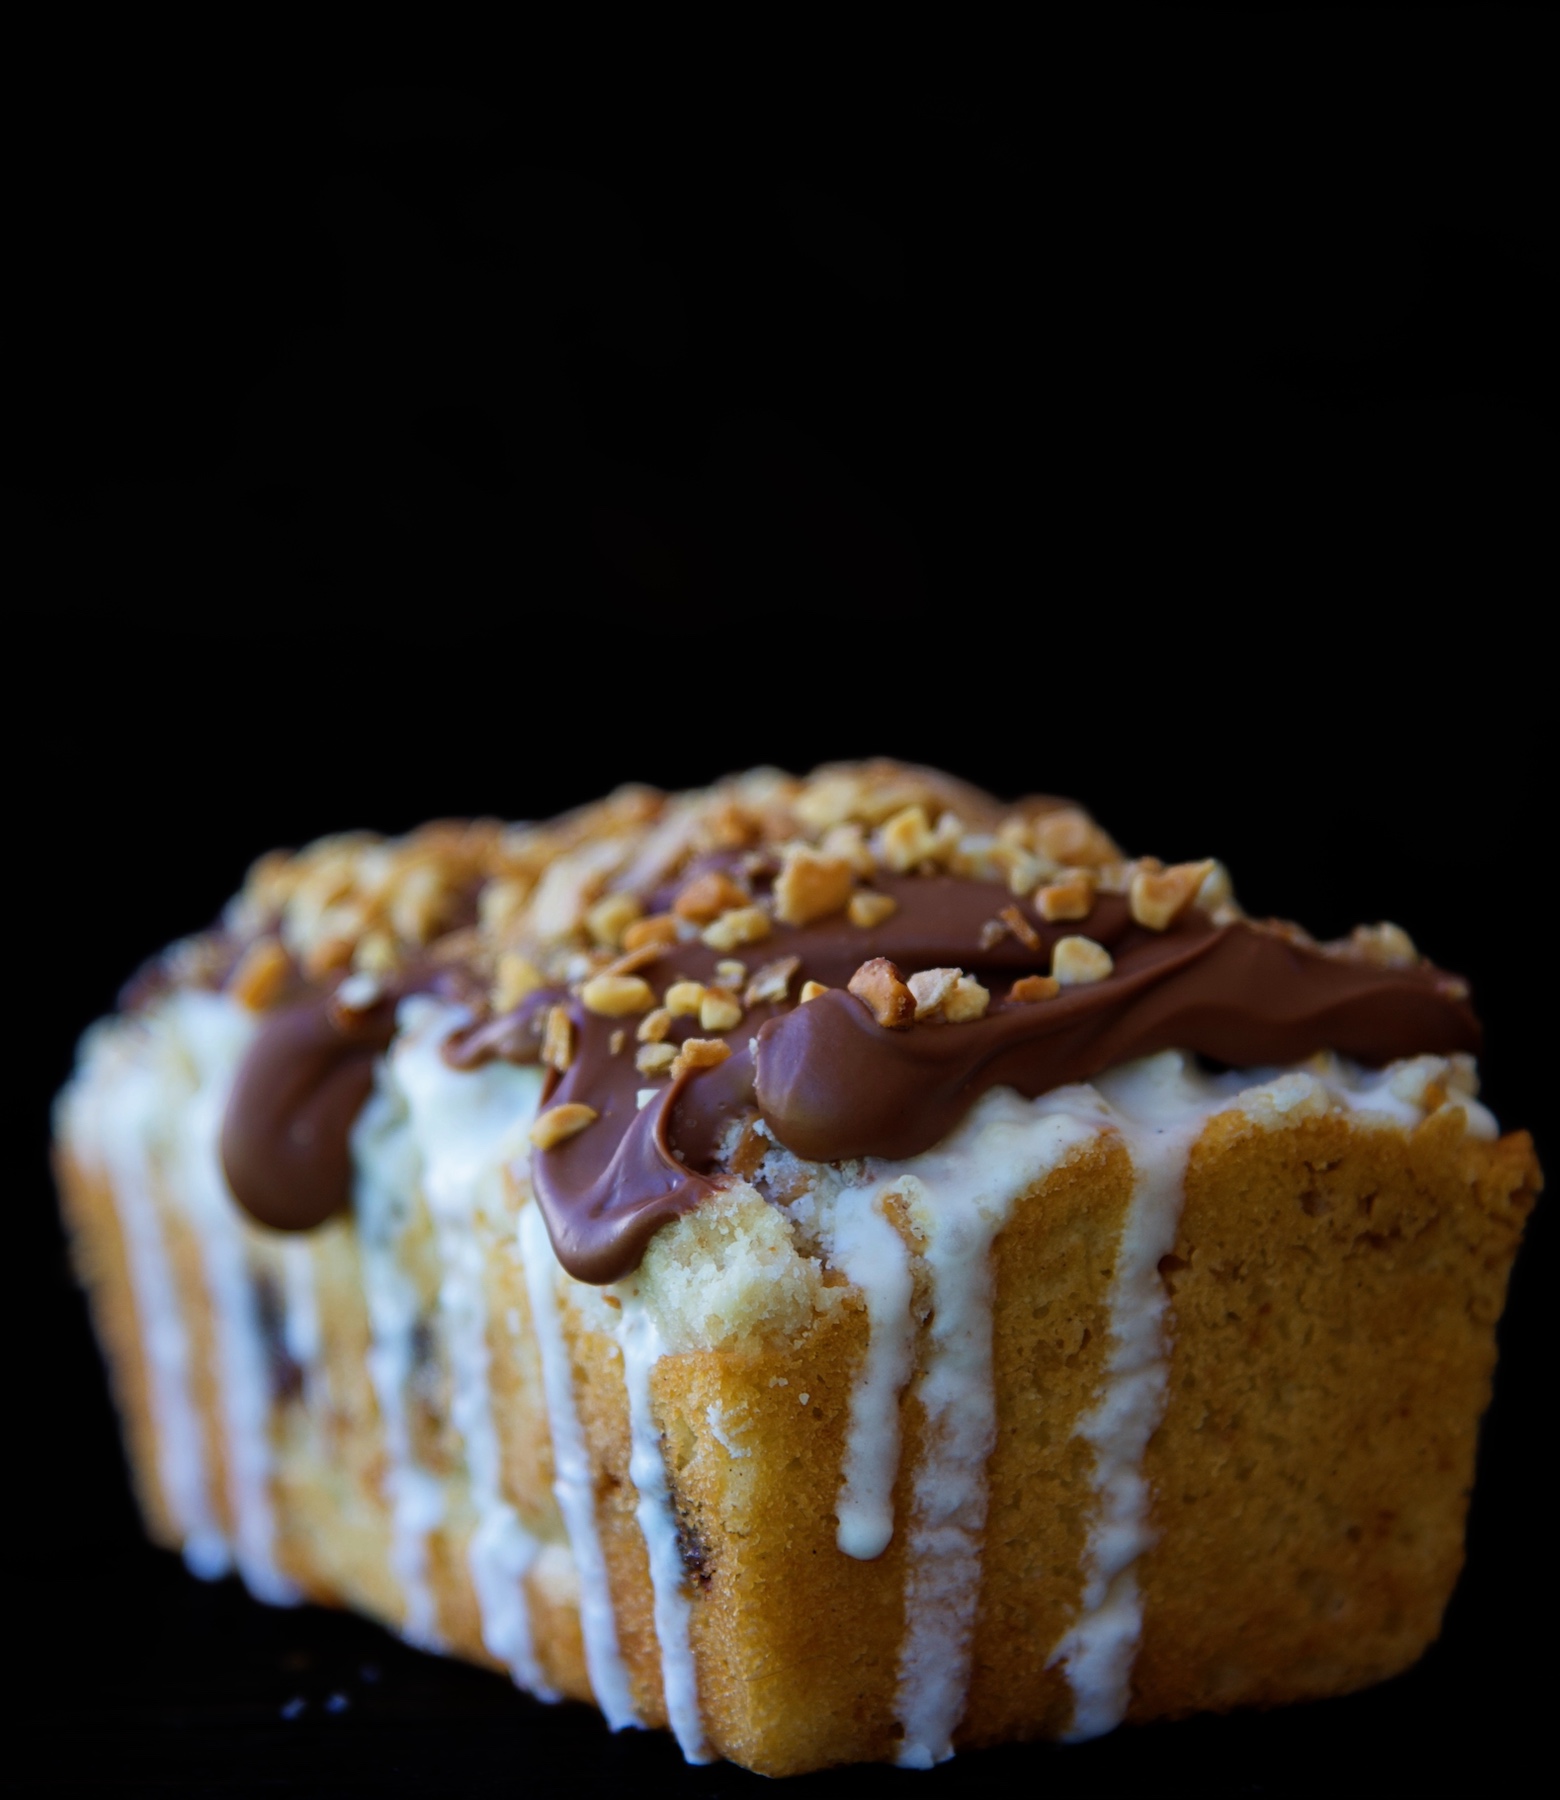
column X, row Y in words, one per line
column 841, row 963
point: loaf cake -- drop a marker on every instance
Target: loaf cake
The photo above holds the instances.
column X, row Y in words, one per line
column 840, row 1267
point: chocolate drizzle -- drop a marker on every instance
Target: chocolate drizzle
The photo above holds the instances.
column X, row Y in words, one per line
column 827, row 1080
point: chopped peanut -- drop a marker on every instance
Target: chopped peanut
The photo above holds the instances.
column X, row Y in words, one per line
column 867, row 909
column 377, row 954
column 743, row 925
column 707, row 896
column 1159, row 897
column 1029, row 988
column 1020, row 927
column 683, row 998
column 517, row 976
column 719, row 1010
column 1076, row 961
column 1070, row 836
column 881, row 989
column 846, row 841
column 1386, row 945
column 659, row 928
column 1072, row 897
column 260, row 976
column 908, row 840
column 608, row 919
column 654, row 1026
column 772, row 982
column 632, row 961
column 615, row 996
column 949, row 995
column 655, row 1059
column 559, row 1123
column 616, row 1042
column 729, row 973
column 558, row 1044
column 699, row 1053
column 811, row 990
column 810, row 886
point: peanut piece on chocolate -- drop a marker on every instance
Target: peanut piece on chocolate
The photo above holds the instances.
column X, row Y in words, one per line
column 930, row 987
column 1070, row 837
column 907, row 840
column 559, row 1123
column 515, row 977
column 376, row 954
column 867, row 909
column 615, row 996
column 558, row 1044
column 812, row 989
column 659, row 929
column 810, row 886
column 699, row 1053
column 1076, row 961
column 654, row 1026
column 949, row 996
column 1159, row 897
column 608, row 919
column 260, row 975
column 729, row 973
column 881, row 989
column 847, row 843
column 1030, row 988
column 719, row 1010
column 966, row 1000
column 1072, row 897
column 1386, row 945
column 742, row 925
column 772, row 982
column 707, row 896
column 655, row 1059
column 1020, row 927
column 683, row 998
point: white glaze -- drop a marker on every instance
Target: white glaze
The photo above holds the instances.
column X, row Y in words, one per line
column 572, row 1480
column 640, row 1344
column 466, row 1126
column 386, row 1170
column 117, row 1115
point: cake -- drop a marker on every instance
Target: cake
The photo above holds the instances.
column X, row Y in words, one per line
column 840, row 1267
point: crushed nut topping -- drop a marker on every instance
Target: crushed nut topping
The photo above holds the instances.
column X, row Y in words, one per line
column 809, row 886
column 707, row 896
column 683, row 999
column 907, row 840
column 882, row 990
column 654, row 1026
column 1386, row 945
column 616, row 1042
column 772, row 982
column 1020, row 927
column 655, row 1059
column 729, row 973
column 516, row 976
column 948, row 996
column 1030, row 988
column 743, row 925
column 1070, row 897
column 811, row 990
column 699, row 1053
column 615, row 996
column 719, row 1010
column 260, row 975
column 660, row 931
column 559, row 1123
column 558, row 1043
column 1158, row 897
column 608, row 919
column 868, row 909
column 1077, row 961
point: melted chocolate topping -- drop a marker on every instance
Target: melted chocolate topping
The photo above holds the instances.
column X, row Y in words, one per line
column 828, row 1081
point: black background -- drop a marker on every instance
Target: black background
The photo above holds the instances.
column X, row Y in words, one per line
column 1165, row 417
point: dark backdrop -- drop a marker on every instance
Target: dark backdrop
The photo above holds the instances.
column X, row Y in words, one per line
column 1174, row 427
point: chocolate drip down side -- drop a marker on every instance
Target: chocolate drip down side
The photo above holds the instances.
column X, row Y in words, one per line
column 830, row 1083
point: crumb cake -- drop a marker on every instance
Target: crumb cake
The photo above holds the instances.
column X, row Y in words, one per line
column 839, row 1267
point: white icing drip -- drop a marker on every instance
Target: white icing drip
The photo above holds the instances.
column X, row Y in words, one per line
column 113, row 1114
column 211, row 1032
column 640, row 1343
column 872, row 1254
column 301, row 1314
column 466, row 1126
column 959, row 1196
column 384, row 1155
column 572, row 1481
